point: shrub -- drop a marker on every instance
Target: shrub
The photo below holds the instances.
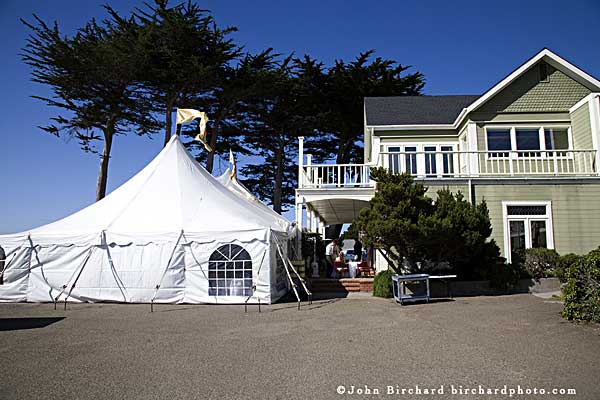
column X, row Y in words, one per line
column 564, row 263
column 382, row 284
column 504, row 276
column 581, row 293
column 540, row 262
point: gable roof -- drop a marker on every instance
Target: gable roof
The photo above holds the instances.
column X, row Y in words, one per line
column 551, row 58
column 415, row 110
column 449, row 111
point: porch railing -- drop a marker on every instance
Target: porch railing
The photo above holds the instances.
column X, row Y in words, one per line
column 456, row 164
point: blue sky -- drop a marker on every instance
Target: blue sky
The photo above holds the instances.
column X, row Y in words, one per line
column 462, row 47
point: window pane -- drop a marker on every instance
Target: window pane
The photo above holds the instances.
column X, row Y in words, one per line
column 394, row 159
column 528, row 139
column 498, row 139
column 517, row 235
column 447, row 159
column 411, row 160
column 430, row 165
column 556, row 138
column 538, row 234
column 526, row 210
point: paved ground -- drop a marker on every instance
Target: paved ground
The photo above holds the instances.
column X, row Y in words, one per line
column 218, row 352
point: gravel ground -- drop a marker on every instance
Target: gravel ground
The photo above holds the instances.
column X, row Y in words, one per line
column 110, row 351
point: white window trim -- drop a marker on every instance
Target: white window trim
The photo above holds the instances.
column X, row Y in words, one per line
column 513, row 141
column 506, row 218
column 420, row 156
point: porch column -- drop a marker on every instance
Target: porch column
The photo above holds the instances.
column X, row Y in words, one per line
column 594, row 108
column 472, row 145
column 310, row 219
column 299, row 204
column 300, row 161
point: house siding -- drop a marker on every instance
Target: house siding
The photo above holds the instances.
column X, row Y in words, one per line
column 528, row 95
column 581, row 128
column 575, row 211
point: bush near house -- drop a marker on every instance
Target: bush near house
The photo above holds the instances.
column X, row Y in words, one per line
column 382, row 284
column 564, row 263
column 581, row 293
column 539, row 262
column 418, row 234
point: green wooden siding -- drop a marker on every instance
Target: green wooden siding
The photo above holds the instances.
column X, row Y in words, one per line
column 575, row 211
column 581, row 128
column 528, row 94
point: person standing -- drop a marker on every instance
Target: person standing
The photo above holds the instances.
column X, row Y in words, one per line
column 331, row 252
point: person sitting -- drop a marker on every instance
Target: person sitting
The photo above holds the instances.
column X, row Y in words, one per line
column 340, row 265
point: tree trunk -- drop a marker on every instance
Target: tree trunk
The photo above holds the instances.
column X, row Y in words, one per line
column 278, row 189
column 104, row 159
column 169, row 121
column 210, row 160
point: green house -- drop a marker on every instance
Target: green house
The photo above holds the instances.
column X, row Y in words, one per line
column 529, row 146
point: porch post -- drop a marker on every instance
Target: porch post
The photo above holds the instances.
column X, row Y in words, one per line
column 300, row 161
column 299, row 203
column 594, row 108
column 472, row 144
column 310, row 219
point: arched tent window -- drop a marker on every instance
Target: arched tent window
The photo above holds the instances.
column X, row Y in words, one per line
column 230, row 272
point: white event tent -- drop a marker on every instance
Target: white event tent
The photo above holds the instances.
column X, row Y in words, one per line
column 171, row 234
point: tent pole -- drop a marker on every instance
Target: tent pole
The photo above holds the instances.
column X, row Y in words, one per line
column 74, row 272
column 287, row 271
column 262, row 260
column 165, row 272
column 308, row 293
column 78, row 275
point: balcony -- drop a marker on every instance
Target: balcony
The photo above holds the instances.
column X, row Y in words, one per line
column 441, row 165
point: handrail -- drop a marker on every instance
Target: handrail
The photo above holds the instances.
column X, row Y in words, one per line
column 457, row 164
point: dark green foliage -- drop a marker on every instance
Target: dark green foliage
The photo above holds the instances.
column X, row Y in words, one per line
column 539, row 262
column 581, row 293
column 564, row 263
column 93, row 78
column 457, row 232
column 129, row 74
column 391, row 222
column 341, row 93
column 502, row 275
column 382, row 284
column 183, row 53
column 418, row 234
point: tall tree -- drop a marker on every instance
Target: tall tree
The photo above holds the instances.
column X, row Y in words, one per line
column 183, row 51
column 346, row 87
column 238, row 86
column 283, row 113
column 92, row 76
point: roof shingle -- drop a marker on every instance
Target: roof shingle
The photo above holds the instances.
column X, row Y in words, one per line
column 415, row 110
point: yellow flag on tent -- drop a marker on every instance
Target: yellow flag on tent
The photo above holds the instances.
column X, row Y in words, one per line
column 187, row 115
column 233, row 166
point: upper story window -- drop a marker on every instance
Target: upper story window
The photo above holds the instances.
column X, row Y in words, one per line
column 527, row 141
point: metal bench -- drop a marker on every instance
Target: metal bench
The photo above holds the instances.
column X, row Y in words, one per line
column 399, row 286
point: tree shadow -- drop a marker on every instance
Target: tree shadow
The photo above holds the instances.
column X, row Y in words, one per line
column 14, row 324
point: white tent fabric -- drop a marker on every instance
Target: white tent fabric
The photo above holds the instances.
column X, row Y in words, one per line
column 172, row 225
column 239, row 189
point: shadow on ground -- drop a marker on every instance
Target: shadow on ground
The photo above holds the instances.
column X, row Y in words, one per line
column 15, row 324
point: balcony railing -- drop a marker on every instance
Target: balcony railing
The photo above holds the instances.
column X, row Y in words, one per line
column 456, row 164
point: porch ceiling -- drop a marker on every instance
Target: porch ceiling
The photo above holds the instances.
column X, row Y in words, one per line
column 338, row 211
